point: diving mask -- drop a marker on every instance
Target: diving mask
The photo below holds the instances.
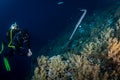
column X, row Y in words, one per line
column 14, row 26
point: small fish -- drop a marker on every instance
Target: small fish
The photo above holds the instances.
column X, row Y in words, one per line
column 61, row 2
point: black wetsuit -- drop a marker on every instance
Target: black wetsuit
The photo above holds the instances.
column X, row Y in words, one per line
column 21, row 41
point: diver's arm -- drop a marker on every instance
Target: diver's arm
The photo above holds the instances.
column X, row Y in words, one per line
column 29, row 52
column 29, row 49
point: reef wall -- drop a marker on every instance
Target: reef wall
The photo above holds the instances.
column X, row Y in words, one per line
column 93, row 54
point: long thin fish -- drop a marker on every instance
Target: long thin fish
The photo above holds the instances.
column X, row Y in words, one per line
column 77, row 25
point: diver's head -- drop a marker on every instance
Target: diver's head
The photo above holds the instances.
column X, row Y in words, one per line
column 14, row 26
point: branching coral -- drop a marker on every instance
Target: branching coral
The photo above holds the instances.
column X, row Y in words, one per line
column 57, row 68
column 40, row 72
column 90, row 48
column 75, row 67
column 114, row 50
column 106, row 34
column 82, row 69
column 98, row 44
column 50, row 69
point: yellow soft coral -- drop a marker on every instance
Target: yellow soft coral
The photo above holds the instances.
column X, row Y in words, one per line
column 56, row 67
column 40, row 72
column 114, row 50
column 82, row 68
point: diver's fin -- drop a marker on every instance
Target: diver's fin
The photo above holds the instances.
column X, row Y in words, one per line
column 2, row 48
column 6, row 63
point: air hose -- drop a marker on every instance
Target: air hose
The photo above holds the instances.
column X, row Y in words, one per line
column 9, row 45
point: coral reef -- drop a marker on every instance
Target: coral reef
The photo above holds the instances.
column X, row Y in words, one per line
column 114, row 50
column 75, row 67
column 95, row 56
column 53, row 68
column 40, row 71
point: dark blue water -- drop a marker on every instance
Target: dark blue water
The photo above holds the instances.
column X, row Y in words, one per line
column 44, row 19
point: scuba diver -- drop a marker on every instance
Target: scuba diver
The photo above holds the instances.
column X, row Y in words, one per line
column 18, row 43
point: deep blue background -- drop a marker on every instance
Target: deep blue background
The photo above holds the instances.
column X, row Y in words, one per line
column 44, row 19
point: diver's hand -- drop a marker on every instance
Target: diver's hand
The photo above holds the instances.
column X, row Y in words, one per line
column 29, row 53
